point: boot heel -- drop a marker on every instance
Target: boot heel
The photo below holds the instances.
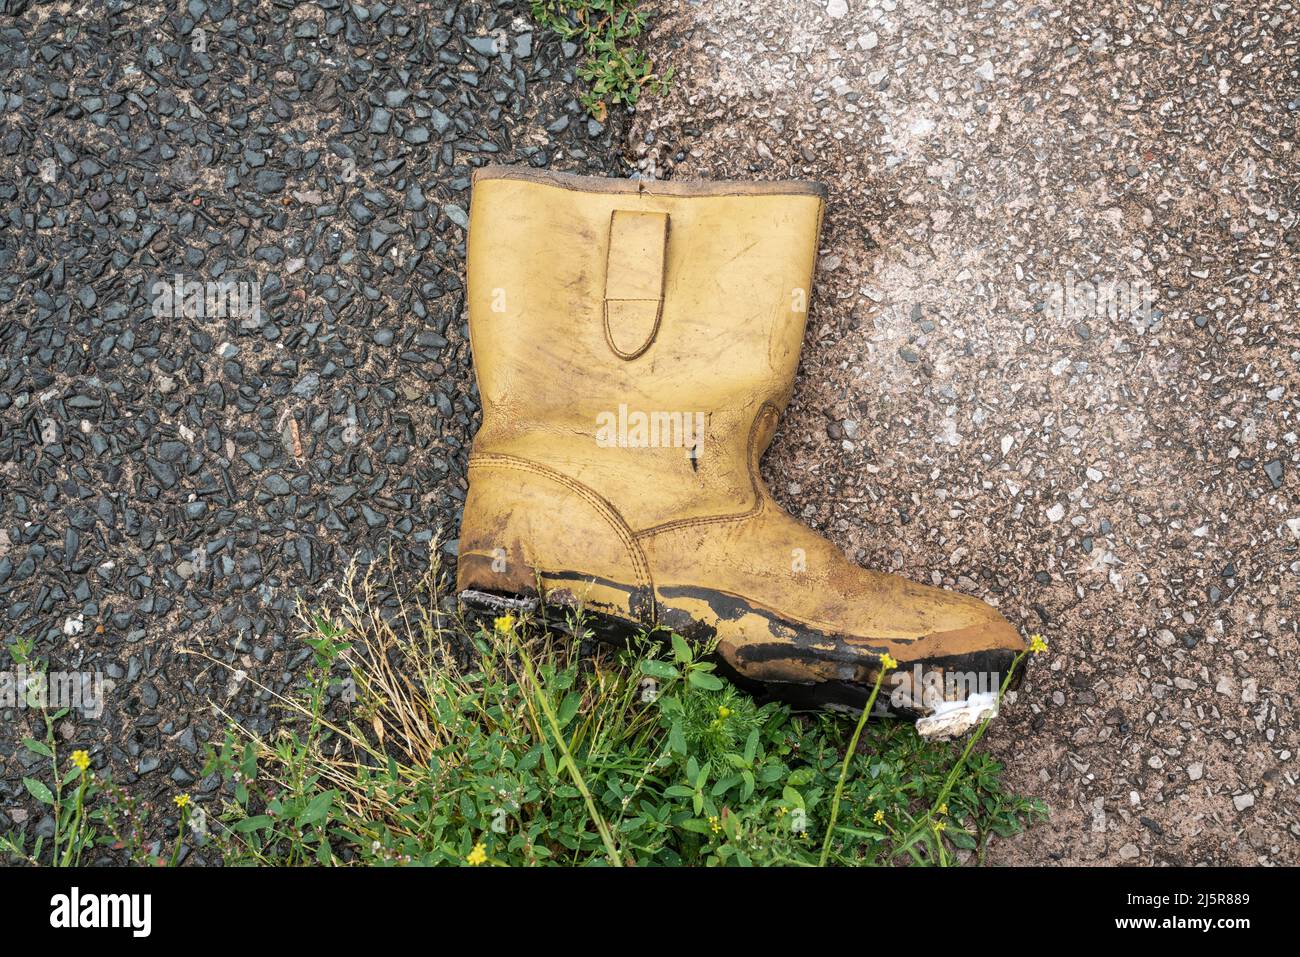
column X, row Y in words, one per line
column 535, row 540
column 485, row 608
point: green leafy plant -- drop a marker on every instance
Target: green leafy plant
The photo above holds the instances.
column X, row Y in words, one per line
column 72, row 834
column 615, row 70
column 422, row 740
column 419, row 738
column 20, row 650
column 88, row 810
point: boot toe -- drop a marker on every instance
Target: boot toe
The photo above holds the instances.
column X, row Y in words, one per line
column 951, row 678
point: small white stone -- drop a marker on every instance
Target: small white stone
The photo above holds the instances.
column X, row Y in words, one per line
column 1007, row 442
column 1129, row 851
column 869, row 41
column 1243, row 801
column 1056, row 512
column 1249, row 691
column 1196, row 771
column 836, row 9
column 985, row 71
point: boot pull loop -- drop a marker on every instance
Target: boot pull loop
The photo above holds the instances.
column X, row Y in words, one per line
column 634, row 280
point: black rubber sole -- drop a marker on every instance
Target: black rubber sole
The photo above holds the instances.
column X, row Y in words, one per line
column 488, row 606
column 826, row 695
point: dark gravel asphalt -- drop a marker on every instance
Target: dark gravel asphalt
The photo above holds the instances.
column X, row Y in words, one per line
column 175, row 478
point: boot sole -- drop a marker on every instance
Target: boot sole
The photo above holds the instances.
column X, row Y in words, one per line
column 950, row 720
column 485, row 603
column 486, row 606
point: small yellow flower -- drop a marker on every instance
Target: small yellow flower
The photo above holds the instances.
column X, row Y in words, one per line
column 479, row 854
column 943, row 808
column 505, row 624
column 939, row 826
column 1036, row 644
column 714, row 824
column 724, row 711
column 81, row 759
column 888, row 662
column 182, row 801
column 878, row 817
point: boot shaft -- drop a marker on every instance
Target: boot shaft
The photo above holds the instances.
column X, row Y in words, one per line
column 638, row 334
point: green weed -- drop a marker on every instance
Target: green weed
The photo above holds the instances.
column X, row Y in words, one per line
column 615, row 70
column 509, row 744
column 417, row 738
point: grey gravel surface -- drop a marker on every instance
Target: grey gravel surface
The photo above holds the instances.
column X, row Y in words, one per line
column 178, row 478
column 1123, row 480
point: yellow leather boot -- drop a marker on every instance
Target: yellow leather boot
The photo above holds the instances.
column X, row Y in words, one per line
column 635, row 344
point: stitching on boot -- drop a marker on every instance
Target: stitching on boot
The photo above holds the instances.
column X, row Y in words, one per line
column 640, row 567
column 755, row 482
column 654, row 330
column 624, row 291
